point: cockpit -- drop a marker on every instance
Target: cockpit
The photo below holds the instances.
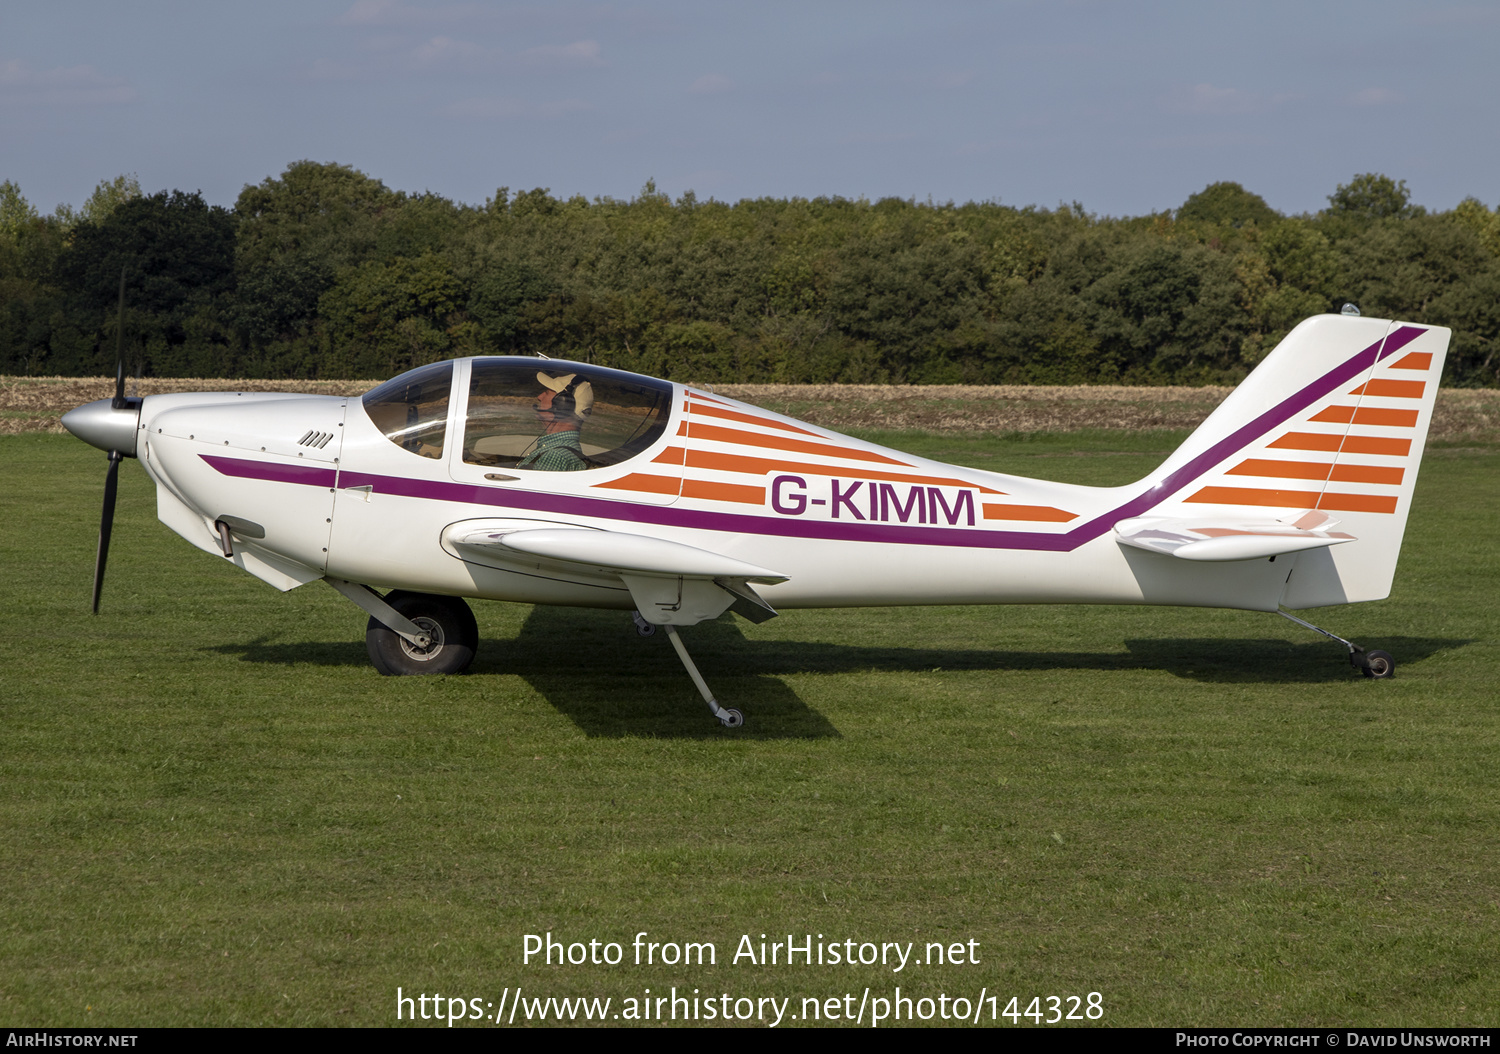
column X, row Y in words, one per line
column 524, row 413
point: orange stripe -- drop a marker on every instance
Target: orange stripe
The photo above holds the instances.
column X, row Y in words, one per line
column 705, row 397
column 691, row 488
column 1337, row 415
column 749, row 419
column 1367, row 474
column 1414, row 360
column 1376, row 445
column 1375, row 415
column 702, row 488
column 1329, row 441
column 1357, row 503
column 752, row 439
column 1035, row 513
column 1394, row 389
column 1281, row 469
column 1366, row 415
column 648, row 484
column 1294, row 499
column 759, row 466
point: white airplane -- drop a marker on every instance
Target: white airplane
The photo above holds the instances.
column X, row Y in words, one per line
column 549, row 482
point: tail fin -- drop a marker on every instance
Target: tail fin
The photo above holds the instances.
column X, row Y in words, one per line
column 1334, row 421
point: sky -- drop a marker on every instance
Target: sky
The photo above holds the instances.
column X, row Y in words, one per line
column 1126, row 108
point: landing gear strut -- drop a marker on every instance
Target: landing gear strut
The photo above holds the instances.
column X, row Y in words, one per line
column 1373, row 663
column 728, row 717
column 414, row 633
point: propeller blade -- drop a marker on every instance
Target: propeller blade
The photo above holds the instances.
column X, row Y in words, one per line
column 119, row 366
column 106, row 523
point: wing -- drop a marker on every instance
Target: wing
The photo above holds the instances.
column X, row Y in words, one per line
column 1219, row 539
column 671, row 583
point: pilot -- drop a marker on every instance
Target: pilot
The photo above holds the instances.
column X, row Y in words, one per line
column 563, row 405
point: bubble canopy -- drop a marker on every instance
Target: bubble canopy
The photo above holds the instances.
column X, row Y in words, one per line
column 510, row 409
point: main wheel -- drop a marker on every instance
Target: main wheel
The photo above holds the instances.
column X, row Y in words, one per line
column 447, row 620
column 1378, row 664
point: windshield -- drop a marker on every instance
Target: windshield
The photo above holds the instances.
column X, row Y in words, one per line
column 557, row 416
column 412, row 409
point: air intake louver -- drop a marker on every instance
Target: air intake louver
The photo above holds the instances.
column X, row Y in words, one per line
column 315, row 439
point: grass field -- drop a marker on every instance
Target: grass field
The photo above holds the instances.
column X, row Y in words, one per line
column 214, row 812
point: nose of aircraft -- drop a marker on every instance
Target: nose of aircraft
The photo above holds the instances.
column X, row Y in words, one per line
column 106, row 425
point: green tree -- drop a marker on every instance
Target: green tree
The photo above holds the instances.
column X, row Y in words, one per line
column 177, row 253
column 1371, row 196
column 107, row 196
column 1227, row 204
column 326, row 210
column 383, row 318
column 16, row 213
column 1472, row 213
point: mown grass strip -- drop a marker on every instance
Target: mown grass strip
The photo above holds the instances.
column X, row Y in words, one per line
column 213, row 811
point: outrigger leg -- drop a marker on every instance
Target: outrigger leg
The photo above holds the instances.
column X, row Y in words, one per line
column 1372, row 663
column 729, row 718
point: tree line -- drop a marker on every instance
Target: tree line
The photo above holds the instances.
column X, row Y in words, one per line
column 325, row 272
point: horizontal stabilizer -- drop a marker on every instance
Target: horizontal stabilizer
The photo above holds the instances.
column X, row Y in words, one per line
column 621, row 553
column 1217, row 539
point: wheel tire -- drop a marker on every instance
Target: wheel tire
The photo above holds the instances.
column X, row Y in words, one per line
column 1379, row 664
column 448, row 619
column 731, row 718
column 642, row 627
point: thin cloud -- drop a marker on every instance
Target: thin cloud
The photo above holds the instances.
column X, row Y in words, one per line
column 446, row 53
column 444, row 56
column 62, row 86
column 578, row 53
column 1213, row 101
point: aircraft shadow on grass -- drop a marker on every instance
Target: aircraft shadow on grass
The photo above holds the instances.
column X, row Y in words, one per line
column 594, row 669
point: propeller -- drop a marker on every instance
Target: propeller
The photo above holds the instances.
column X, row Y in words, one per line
column 106, row 522
column 112, row 476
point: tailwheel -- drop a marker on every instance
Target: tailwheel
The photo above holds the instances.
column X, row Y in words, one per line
column 448, row 622
column 731, row 718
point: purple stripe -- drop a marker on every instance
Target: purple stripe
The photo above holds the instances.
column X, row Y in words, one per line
column 307, row 475
column 742, row 523
column 667, row 516
column 1247, row 434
